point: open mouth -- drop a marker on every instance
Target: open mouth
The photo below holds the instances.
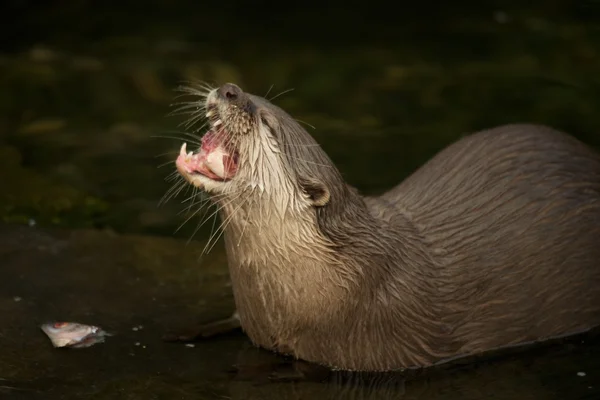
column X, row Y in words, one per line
column 216, row 158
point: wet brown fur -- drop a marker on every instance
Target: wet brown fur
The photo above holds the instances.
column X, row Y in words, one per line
column 493, row 242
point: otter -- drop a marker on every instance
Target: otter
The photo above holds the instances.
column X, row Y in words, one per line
column 493, row 243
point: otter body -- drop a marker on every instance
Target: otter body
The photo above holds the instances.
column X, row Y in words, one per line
column 493, row 243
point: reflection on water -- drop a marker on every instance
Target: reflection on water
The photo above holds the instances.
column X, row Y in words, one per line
column 85, row 93
column 546, row 372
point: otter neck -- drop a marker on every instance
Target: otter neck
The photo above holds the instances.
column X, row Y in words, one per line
column 281, row 263
column 289, row 277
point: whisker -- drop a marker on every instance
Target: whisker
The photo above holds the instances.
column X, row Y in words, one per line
column 308, row 162
column 200, row 208
column 245, row 225
column 196, row 89
column 185, row 111
column 212, row 228
column 162, row 165
column 196, row 109
column 194, row 194
column 188, row 220
column 300, row 145
column 173, row 176
column 175, row 138
column 223, row 226
column 235, row 195
column 173, row 191
column 269, row 91
column 220, row 231
column 194, row 136
column 205, row 219
column 182, row 106
column 305, row 123
column 193, row 87
column 200, row 203
column 189, row 123
column 284, row 92
column 168, row 153
column 199, row 225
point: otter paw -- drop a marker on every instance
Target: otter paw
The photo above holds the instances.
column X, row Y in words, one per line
column 205, row 331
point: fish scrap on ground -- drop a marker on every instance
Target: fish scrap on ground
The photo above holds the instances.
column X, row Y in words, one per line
column 73, row 334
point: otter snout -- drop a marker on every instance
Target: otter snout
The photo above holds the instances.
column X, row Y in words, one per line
column 230, row 91
column 233, row 95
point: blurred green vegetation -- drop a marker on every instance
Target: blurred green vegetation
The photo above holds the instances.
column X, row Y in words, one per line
column 84, row 96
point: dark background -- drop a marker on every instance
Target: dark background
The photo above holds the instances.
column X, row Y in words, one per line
column 87, row 85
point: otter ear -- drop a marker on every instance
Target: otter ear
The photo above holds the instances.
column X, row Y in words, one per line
column 316, row 190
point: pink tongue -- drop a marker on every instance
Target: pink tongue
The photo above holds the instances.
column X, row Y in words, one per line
column 212, row 161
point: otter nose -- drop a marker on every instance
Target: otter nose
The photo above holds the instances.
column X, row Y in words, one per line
column 230, row 92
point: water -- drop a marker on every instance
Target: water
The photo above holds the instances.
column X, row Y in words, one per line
column 85, row 93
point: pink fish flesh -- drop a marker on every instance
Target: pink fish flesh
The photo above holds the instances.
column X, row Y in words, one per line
column 73, row 334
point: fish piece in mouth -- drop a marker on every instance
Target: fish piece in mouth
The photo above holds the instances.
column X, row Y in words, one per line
column 216, row 158
column 73, row 334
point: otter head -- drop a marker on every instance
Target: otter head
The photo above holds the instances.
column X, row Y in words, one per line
column 287, row 215
column 255, row 150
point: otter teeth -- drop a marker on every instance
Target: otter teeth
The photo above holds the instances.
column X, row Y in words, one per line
column 218, row 122
column 182, row 151
column 209, row 114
